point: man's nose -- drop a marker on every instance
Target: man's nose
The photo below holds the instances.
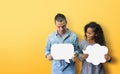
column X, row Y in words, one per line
column 61, row 28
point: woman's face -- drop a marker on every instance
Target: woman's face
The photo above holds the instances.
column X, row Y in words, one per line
column 90, row 34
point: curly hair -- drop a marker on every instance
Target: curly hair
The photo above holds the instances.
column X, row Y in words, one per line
column 99, row 36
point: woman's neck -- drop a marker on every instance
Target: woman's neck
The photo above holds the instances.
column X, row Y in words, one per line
column 91, row 41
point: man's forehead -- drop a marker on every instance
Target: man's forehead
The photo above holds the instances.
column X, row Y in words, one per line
column 60, row 23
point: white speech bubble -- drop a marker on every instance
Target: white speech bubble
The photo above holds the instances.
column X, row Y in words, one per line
column 62, row 52
column 96, row 54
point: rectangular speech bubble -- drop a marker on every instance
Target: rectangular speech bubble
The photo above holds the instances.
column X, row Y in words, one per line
column 62, row 52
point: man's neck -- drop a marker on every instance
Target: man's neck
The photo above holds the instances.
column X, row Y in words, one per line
column 61, row 34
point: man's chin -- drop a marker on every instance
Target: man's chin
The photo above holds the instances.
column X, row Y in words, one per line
column 61, row 33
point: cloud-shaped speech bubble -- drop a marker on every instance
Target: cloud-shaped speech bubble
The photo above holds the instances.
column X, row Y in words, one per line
column 96, row 54
column 62, row 52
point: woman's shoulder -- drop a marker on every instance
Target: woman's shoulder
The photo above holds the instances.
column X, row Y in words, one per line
column 83, row 41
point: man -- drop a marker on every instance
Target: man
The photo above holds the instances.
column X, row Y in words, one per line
column 62, row 36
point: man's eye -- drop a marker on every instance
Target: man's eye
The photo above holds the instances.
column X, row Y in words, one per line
column 63, row 26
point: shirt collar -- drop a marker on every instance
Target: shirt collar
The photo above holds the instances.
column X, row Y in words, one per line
column 67, row 33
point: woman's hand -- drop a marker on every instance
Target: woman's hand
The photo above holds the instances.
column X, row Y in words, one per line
column 107, row 57
column 84, row 56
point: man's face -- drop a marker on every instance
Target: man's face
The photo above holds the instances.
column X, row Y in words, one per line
column 61, row 27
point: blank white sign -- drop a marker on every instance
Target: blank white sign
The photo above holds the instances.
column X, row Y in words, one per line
column 96, row 54
column 62, row 52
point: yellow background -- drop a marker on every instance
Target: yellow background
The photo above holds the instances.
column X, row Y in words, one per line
column 25, row 25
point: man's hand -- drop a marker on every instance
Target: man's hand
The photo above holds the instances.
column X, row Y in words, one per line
column 49, row 57
column 74, row 57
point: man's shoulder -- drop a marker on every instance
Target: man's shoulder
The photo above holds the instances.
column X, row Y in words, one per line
column 73, row 34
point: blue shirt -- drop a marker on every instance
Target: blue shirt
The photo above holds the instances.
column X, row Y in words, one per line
column 60, row 66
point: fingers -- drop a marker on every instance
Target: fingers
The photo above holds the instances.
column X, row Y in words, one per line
column 84, row 56
column 107, row 57
column 49, row 57
column 74, row 58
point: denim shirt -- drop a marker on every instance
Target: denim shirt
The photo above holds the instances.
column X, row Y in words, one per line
column 60, row 66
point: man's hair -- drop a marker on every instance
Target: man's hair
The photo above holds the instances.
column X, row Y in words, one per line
column 60, row 17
